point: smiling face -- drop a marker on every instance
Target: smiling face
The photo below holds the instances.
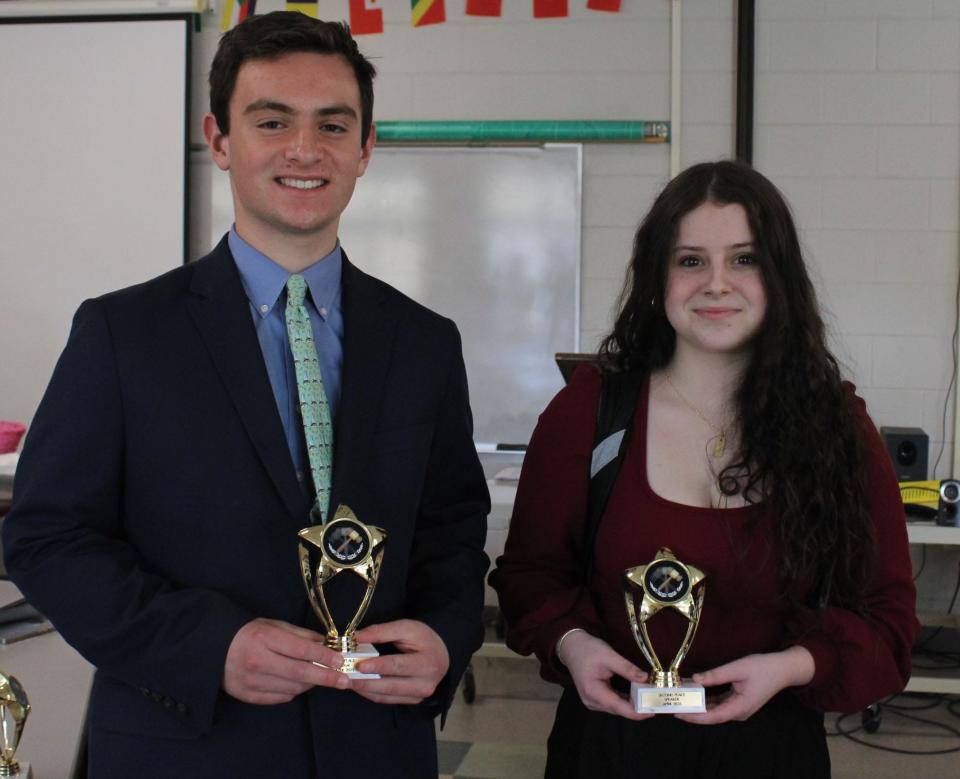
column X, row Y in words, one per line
column 715, row 298
column 293, row 152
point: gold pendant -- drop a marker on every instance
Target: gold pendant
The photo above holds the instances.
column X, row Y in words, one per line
column 720, row 445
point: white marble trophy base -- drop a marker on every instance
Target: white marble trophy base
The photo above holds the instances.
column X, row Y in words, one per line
column 350, row 660
column 688, row 696
column 23, row 773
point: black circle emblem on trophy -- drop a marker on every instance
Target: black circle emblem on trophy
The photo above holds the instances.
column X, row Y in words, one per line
column 666, row 581
column 346, row 541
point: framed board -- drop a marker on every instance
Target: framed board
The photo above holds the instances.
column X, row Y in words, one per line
column 489, row 236
column 93, row 195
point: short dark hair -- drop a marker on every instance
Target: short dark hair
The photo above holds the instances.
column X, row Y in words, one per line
column 278, row 33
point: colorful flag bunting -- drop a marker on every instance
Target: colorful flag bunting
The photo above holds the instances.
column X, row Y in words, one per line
column 235, row 11
column 484, row 7
column 424, row 12
column 308, row 9
column 366, row 17
column 546, row 9
column 604, row 5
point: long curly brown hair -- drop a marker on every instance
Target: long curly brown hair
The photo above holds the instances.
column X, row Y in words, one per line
column 802, row 445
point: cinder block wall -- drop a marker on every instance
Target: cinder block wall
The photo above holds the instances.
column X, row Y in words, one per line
column 858, row 107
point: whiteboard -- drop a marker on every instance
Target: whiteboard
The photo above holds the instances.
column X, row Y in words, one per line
column 487, row 236
column 93, row 155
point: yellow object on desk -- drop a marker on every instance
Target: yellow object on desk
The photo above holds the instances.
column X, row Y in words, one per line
column 926, row 493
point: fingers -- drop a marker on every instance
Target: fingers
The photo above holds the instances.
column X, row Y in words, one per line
column 292, row 641
column 411, row 689
column 295, row 629
column 409, row 636
column 409, row 676
column 271, row 662
column 429, row 664
column 400, row 630
column 753, row 679
column 592, row 664
column 599, row 696
column 622, row 667
column 723, row 674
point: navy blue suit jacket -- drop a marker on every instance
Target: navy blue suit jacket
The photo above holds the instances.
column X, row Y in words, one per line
column 156, row 511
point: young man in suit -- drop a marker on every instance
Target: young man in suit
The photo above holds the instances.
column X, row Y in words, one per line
column 166, row 473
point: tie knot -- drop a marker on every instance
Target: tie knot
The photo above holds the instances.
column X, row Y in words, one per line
column 296, row 289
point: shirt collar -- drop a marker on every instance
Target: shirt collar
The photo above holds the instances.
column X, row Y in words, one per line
column 264, row 280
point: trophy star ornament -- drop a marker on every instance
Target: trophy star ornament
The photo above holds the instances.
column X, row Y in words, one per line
column 344, row 544
column 665, row 583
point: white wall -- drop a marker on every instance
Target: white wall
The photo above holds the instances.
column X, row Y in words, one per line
column 857, row 120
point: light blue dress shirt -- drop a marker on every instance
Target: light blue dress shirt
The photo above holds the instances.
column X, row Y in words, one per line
column 265, row 284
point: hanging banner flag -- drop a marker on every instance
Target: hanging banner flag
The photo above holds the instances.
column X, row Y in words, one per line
column 235, row 11
column 604, row 5
column 484, row 7
column 308, row 9
column 547, row 9
column 366, row 17
column 424, row 12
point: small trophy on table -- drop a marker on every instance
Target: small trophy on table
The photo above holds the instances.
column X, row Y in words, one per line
column 14, row 709
column 665, row 582
column 343, row 544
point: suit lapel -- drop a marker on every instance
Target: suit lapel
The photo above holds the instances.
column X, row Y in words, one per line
column 220, row 310
column 370, row 324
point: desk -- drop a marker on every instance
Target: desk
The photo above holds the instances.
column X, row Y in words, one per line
column 57, row 681
column 934, row 681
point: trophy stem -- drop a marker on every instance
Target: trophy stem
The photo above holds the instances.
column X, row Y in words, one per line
column 9, row 768
column 338, row 643
column 669, row 678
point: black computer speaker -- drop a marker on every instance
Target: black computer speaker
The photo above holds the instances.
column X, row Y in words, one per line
column 949, row 503
column 908, row 448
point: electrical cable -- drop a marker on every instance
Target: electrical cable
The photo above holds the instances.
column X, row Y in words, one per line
column 954, row 707
column 923, row 561
column 922, row 646
column 901, row 711
column 924, row 701
column 953, row 375
column 945, row 660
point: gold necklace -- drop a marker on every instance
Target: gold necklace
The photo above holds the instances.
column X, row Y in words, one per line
column 720, row 445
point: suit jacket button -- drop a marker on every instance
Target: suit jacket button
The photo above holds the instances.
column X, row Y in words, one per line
column 181, row 708
column 145, row 691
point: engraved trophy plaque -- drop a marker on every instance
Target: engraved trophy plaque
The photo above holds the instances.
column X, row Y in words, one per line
column 14, row 709
column 326, row 551
column 665, row 583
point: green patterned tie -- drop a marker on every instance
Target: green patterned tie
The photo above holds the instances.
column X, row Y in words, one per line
column 317, row 428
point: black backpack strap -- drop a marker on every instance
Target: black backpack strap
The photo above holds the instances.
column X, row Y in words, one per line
column 618, row 401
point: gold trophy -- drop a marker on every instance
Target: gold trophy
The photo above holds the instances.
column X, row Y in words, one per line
column 665, row 583
column 343, row 544
column 14, row 709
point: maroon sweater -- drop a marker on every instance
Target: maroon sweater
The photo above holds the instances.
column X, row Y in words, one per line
column 859, row 659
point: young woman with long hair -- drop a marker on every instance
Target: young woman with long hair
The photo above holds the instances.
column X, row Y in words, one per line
column 752, row 460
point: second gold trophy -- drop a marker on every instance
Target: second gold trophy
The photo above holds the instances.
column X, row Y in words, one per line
column 665, row 583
